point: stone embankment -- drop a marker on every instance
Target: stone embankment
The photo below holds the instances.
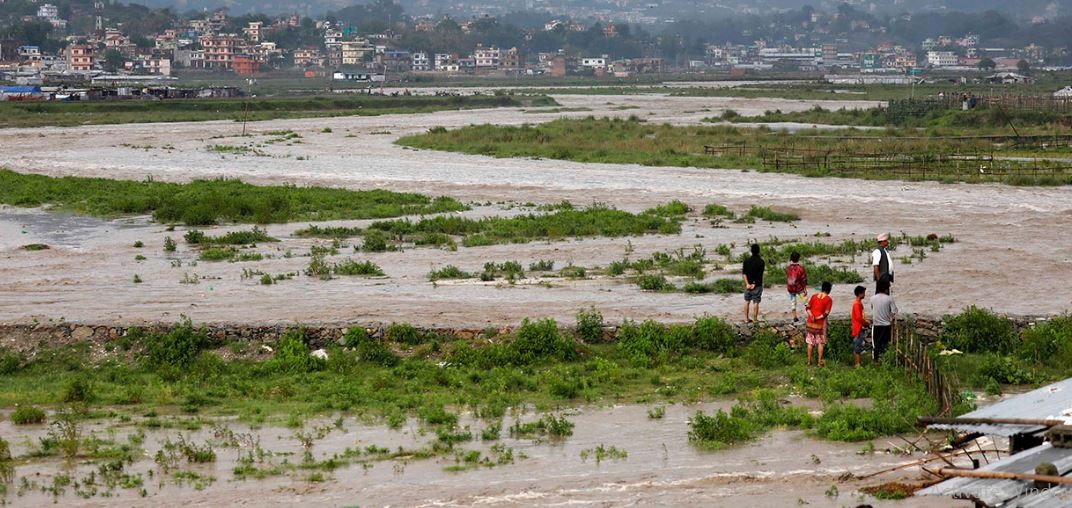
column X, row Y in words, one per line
column 29, row 338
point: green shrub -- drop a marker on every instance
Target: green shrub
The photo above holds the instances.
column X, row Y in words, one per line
column 1048, row 343
column 768, row 350
column 292, row 354
column 1004, row 370
column 437, row 415
column 979, row 330
column 543, row 265
column 672, row 209
column 177, row 348
column 9, row 363
column 765, row 213
column 375, row 241
column 169, row 244
column 194, row 236
column 449, row 272
column 590, row 326
column 27, row 415
column 404, row 333
column 720, row 430
column 573, row 272
column 717, row 210
column 654, row 282
column 713, row 334
column 79, row 389
column 652, row 341
column 538, row 340
column 369, row 349
column 846, row 422
column 548, row 425
column 351, row 267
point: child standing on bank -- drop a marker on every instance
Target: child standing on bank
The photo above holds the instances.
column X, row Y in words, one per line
column 818, row 308
column 860, row 324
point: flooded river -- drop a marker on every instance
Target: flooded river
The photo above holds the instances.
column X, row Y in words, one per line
column 655, row 465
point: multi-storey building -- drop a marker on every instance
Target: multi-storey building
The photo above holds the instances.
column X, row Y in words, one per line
column 354, row 52
column 511, row 60
column 942, row 58
column 445, row 62
column 245, row 65
column 80, row 58
column 420, row 62
column 252, row 31
column 48, row 11
column 220, row 50
column 308, row 57
column 487, row 57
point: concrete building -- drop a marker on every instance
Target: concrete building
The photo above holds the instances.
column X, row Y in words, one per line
column 220, row 50
column 80, row 58
column 594, row 62
column 245, row 65
column 511, row 60
column 308, row 57
column 29, row 53
column 354, row 52
column 942, row 59
column 48, row 11
column 252, row 31
column 487, row 57
column 420, row 62
column 445, row 62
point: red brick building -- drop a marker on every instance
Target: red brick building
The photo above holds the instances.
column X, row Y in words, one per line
column 245, row 65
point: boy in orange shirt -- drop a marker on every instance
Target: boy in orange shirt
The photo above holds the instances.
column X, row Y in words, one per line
column 818, row 309
column 860, row 324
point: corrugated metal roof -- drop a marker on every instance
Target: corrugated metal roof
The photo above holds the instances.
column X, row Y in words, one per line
column 1051, row 402
column 1012, row 492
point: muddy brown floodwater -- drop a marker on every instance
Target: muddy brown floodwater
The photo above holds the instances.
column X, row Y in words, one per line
column 660, row 467
column 1011, row 254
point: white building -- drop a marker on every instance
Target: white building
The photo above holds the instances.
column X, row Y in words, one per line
column 420, row 61
column 487, row 57
column 594, row 63
column 445, row 62
column 1065, row 92
column 48, row 11
column 942, row 59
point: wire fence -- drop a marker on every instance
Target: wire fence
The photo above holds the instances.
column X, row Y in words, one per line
column 970, row 162
column 918, row 107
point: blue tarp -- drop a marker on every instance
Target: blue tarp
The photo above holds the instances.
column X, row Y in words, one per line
column 19, row 89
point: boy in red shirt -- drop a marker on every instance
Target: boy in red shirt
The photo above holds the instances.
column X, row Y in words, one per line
column 819, row 307
column 860, row 324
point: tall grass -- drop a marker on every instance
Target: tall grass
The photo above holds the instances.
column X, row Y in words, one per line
column 15, row 114
column 592, row 221
column 203, row 202
column 635, row 141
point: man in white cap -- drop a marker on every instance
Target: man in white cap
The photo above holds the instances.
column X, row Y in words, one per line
column 880, row 259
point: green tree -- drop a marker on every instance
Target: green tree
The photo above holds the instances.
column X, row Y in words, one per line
column 113, row 60
column 1023, row 67
column 987, row 65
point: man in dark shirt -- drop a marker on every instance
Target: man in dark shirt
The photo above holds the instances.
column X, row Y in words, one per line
column 753, row 283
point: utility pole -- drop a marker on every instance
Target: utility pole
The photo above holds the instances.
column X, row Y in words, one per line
column 245, row 103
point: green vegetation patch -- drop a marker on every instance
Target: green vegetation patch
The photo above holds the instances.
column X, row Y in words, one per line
column 15, row 114
column 204, row 202
column 940, row 154
column 596, row 220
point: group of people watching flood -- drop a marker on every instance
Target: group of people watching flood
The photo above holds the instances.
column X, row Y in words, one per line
column 870, row 330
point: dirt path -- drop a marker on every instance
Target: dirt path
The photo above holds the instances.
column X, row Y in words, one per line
column 1011, row 254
